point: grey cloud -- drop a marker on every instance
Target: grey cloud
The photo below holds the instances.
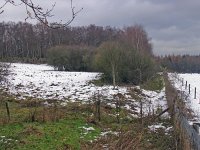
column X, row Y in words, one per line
column 173, row 25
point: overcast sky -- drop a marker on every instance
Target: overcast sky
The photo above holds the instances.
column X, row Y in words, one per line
column 173, row 25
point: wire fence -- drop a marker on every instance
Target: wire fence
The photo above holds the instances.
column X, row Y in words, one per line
column 192, row 91
column 189, row 135
column 178, row 93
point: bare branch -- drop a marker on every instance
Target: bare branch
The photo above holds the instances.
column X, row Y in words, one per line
column 61, row 24
column 3, row 6
column 37, row 12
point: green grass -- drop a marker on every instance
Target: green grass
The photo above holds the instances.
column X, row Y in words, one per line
column 66, row 133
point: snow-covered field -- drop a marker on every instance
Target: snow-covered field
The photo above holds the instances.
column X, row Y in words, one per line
column 179, row 81
column 41, row 81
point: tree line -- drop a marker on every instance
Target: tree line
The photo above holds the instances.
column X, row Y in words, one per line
column 181, row 63
column 123, row 55
column 24, row 40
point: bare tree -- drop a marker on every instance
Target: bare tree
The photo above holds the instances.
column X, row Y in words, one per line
column 137, row 38
column 35, row 11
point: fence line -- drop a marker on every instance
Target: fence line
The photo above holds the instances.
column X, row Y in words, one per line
column 188, row 135
column 188, row 87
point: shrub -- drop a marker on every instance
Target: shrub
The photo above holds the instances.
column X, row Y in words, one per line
column 70, row 58
column 123, row 64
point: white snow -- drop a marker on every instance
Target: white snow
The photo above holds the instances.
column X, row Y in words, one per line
column 41, row 81
column 88, row 128
column 105, row 133
column 179, row 81
column 156, row 101
column 7, row 141
column 155, row 127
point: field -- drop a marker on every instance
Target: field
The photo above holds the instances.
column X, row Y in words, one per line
column 65, row 110
column 42, row 82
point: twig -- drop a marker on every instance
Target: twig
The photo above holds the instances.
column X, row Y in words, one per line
column 42, row 15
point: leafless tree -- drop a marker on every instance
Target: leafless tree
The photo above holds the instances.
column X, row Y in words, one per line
column 35, row 11
column 137, row 37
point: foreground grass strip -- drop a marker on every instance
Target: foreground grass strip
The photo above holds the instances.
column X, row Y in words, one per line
column 64, row 134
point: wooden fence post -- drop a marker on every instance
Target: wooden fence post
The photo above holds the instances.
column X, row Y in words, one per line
column 98, row 107
column 189, row 88
column 8, row 111
column 195, row 93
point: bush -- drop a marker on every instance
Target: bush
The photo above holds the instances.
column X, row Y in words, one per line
column 137, row 67
column 70, row 58
column 127, row 64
